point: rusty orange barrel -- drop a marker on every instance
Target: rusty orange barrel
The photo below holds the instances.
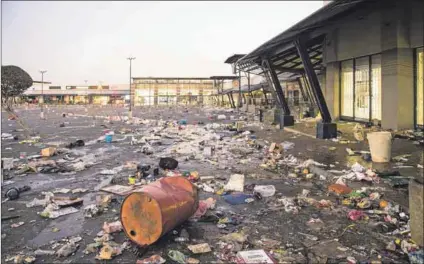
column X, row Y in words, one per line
column 158, row 208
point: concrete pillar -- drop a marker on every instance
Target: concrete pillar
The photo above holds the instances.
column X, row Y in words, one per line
column 416, row 211
column 332, row 89
column 397, row 89
column 397, row 69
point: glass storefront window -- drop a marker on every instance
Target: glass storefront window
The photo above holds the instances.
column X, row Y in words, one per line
column 362, row 85
column 376, row 86
column 420, row 87
column 360, row 93
column 347, row 88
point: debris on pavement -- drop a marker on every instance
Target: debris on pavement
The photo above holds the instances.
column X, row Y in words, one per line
column 154, row 259
column 41, row 252
column 16, row 225
column 52, row 211
column 67, row 250
column 264, row 199
column 48, row 152
column 200, row 248
column 265, row 190
column 235, row 183
column 168, row 163
column 177, row 256
column 254, row 256
column 112, row 227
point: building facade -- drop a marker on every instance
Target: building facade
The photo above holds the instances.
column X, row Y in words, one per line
column 377, row 72
column 78, row 94
column 171, row 91
column 364, row 56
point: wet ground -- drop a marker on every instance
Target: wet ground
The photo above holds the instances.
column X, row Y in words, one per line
column 337, row 238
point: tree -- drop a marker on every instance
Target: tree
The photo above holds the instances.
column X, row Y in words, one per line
column 14, row 81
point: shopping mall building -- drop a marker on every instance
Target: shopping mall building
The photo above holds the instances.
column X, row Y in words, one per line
column 362, row 61
column 77, row 94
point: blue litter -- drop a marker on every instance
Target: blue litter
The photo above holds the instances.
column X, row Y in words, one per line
column 237, row 198
column 108, row 138
column 416, row 256
column 182, row 122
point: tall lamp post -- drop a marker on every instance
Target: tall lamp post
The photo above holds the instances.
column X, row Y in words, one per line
column 42, row 93
column 130, row 110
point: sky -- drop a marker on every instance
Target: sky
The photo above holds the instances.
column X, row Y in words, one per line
column 82, row 40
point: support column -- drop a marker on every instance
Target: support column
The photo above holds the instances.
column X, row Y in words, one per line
column 266, row 97
column 325, row 129
column 230, row 96
column 286, row 119
column 397, row 69
column 302, row 90
column 309, row 92
column 332, row 94
column 397, row 93
column 222, row 91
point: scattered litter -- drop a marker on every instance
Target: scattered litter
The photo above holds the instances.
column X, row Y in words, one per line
column 200, row 248
column 48, row 152
column 339, row 189
column 79, row 190
column 91, row 210
column 355, row 215
column 238, row 237
column 254, row 256
column 41, row 252
column 265, row 190
column 109, row 250
column 168, row 163
column 204, row 206
column 67, row 250
column 177, row 256
column 63, row 190
column 155, row 259
column 118, row 189
column 237, row 198
column 235, row 183
column 50, row 212
column 17, row 225
column 112, row 227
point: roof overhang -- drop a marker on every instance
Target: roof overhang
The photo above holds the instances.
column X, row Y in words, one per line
column 234, row 58
column 281, row 50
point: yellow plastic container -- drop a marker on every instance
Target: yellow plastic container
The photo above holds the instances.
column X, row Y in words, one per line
column 131, row 180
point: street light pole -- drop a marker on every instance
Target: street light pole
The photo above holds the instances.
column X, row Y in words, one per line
column 130, row 110
column 42, row 93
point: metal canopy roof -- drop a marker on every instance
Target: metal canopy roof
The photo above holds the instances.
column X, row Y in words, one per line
column 281, row 50
column 234, row 58
column 245, row 88
column 288, row 63
column 321, row 17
